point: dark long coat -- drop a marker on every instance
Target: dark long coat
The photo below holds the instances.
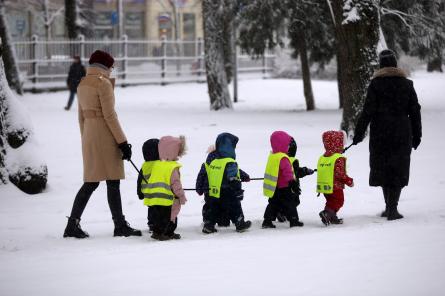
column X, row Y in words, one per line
column 75, row 74
column 393, row 112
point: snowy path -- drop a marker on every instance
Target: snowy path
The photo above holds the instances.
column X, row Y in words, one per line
column 365, row 256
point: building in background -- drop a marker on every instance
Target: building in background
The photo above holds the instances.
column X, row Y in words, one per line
column 142, row 19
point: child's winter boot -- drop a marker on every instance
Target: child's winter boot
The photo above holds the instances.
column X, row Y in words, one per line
column 267, row 224
column 160, row 237
column 336, row 220
column 281, row 217
column 325, row 217
column 296, row 223
column 122, row 228
column 73, row 229
column 208, row 228
column 243, row 225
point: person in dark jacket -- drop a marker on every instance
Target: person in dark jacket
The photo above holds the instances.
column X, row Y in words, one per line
column 230, row 191
column 393, row 112
column 150, row 153
column 202, row 184
column 299, row 172
column 75, row 74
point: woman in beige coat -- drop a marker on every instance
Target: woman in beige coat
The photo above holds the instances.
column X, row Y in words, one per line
column 104, row 145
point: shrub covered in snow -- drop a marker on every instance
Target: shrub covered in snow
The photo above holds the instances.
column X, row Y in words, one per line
column 20, row 161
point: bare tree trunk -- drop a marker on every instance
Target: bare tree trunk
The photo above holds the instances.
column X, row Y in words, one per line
column 8, row 54
column 305, row 69
column 357, row 38
column 70, row 19
column 228, row 38
column 3, row 105
column 213, row 16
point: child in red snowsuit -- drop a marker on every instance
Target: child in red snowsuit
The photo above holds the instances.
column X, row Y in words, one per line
column 334, row 143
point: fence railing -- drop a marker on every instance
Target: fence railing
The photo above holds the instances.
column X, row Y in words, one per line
column 44, row 64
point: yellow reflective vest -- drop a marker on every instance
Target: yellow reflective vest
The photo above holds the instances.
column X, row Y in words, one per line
column 158, row 190
column 271, row 174
column 215, row 174
column 325, row 173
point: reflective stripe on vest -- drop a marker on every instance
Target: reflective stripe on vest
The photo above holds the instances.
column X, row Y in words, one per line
column 158, row 190
column 215, row 174
column 325, row 173
column 271, row 174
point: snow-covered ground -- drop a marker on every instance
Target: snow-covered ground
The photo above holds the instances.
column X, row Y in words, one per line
column 365, row 256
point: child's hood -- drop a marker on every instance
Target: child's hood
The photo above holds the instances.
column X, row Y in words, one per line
column 150, row 150
column 280, row 141
column 171, row 148
column 333, row 142
column 226, row 144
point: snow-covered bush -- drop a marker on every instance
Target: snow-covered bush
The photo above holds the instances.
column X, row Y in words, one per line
column 20, row 161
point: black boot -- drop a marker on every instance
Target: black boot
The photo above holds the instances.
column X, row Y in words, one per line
column 281, row 217
column 296, row 223
column 208, row 229
column 336, row 220
column 122, row 228
column 267, row 224
column 73, row 229
column 243, row 225
column 325, row 217
column 393, row 202
column 160, row 237
column 385, row 196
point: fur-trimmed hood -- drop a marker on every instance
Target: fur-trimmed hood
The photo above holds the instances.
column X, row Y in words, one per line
column 389, row 72
column 171, row 148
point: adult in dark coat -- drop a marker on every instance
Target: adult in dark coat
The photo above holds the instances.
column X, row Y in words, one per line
column 393, row 112
column 75, row 74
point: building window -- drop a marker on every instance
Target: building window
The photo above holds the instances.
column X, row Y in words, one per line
column 189, row 26
column 134, row 25
column 103, row 27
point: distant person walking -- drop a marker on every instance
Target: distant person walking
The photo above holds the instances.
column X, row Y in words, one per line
column 104, row 146
column 75, row 74
column 393, row 112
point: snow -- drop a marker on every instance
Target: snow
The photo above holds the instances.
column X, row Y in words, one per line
column 366, row 256
column 350, row 12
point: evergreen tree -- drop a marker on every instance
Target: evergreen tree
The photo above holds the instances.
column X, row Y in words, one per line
column 263, row 28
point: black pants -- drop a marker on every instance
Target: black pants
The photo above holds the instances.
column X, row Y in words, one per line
column 172, row 225
column 160, row 216
column 225, row 205
column 149, row 217
column 87, row 189
column 392, row 196
column 70, row 99
column 282, row 201
column 222, row 220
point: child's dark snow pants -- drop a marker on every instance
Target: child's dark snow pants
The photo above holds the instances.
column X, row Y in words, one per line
column 218, row 207
column 283, row 200
column 160, row 218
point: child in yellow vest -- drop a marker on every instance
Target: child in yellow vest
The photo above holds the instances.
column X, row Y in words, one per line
column 332, row 176
column 151, row 155
column 164, row 193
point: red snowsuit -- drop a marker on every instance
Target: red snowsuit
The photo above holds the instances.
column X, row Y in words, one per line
column 333, row 143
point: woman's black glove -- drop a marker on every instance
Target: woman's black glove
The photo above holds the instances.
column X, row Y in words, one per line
column 126, row 150
column 416, row 142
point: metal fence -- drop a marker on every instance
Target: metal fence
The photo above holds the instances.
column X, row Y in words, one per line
column 44, row 64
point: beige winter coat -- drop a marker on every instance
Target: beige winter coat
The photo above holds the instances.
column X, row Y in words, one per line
column 99, row 128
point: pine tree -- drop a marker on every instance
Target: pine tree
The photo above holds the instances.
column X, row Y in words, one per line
column 264, row 23
column 213, row 12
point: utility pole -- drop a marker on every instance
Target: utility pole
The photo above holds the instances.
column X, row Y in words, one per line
column 120, row 16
